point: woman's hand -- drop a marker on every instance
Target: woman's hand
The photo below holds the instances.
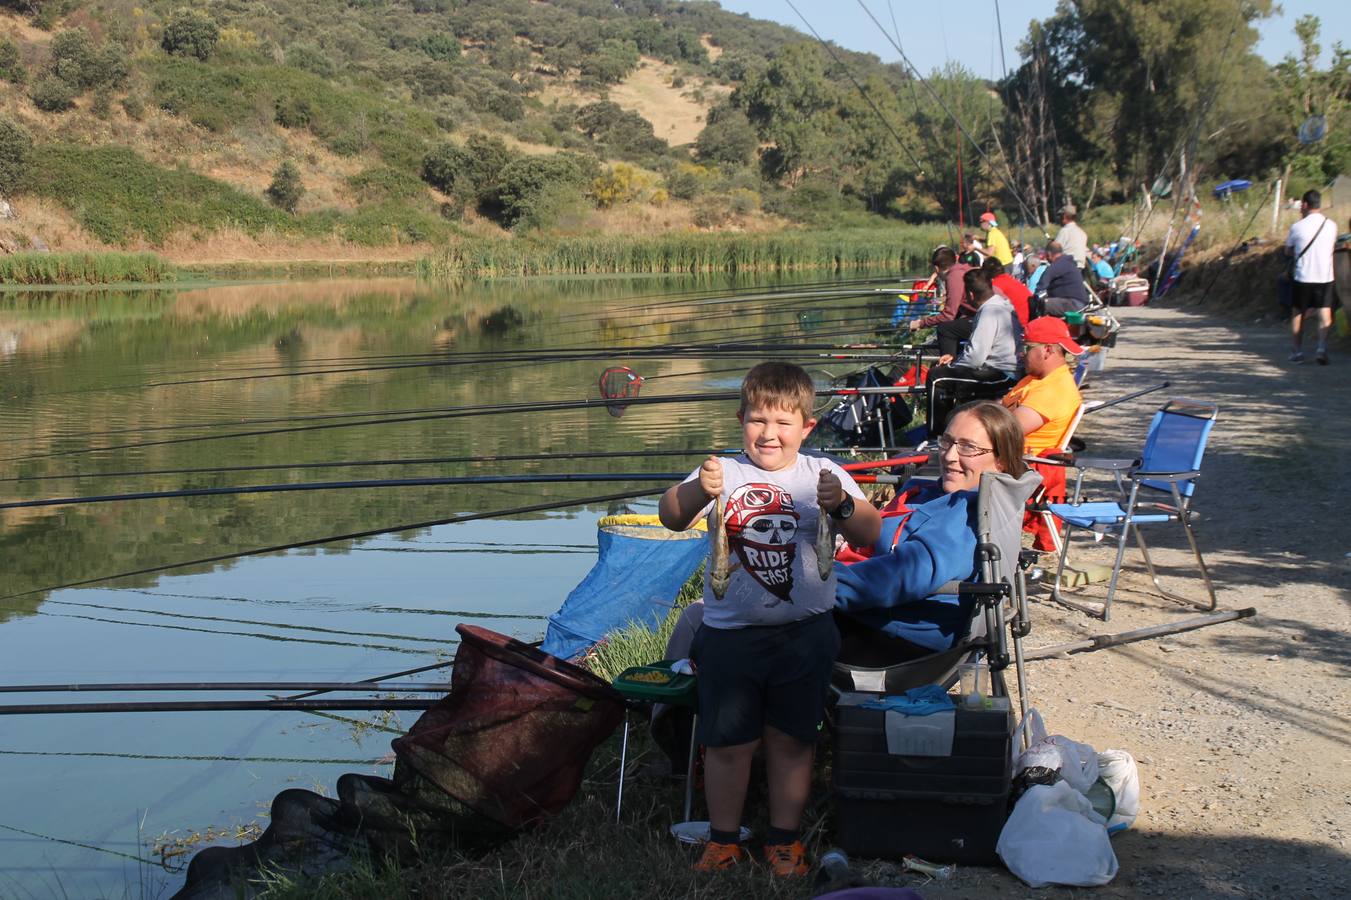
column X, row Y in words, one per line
column 710, row 477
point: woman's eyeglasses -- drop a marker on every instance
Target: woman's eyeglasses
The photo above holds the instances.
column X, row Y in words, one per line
column 964, row 447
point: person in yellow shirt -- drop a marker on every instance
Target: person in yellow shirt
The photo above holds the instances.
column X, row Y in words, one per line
column 1046, row 400
column 996, row 244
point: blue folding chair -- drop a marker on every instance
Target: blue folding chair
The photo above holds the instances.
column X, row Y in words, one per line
column 1170, row 464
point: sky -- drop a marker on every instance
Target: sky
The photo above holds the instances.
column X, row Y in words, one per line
column 933, row 32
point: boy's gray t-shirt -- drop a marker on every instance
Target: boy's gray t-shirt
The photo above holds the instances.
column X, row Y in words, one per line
column 771, row 536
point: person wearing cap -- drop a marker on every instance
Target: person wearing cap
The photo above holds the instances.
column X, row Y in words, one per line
column 1046, row 400
column 995, row 241
column 1062, row 283
column 1070, row 236
column 1045, row 403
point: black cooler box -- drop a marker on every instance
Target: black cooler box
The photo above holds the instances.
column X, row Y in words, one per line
column 947, row 808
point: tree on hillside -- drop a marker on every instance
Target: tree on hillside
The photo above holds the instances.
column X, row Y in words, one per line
column 16, row 152
column 728, row 138
column 286, row 188
column 190, row 32
column 1304, row 90
column 792, row 106
column 1113, row 93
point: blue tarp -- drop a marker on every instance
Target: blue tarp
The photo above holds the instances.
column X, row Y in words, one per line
column 1231, row 187
column 636, row 579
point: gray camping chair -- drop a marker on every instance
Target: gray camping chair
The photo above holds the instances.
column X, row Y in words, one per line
column 999, row 600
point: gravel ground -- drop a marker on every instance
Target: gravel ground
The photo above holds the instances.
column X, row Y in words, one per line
column 1241, row 730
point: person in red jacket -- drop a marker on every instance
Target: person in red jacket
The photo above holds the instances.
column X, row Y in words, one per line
column 1016, row 292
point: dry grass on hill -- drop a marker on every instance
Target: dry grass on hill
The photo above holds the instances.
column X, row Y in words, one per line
column 676, row 116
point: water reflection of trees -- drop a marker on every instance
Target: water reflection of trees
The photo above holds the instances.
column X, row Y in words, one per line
column 86, row 370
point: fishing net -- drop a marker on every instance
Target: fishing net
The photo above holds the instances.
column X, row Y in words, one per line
column 503, row 750
column 619, row 383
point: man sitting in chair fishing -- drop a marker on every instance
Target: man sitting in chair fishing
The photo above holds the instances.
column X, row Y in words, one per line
column 1046, row 400
column 768, row 641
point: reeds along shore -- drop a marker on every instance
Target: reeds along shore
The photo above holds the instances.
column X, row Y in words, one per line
column 901, row 248
column 85, row 268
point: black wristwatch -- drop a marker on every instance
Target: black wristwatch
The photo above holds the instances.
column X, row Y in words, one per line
column 842, row 512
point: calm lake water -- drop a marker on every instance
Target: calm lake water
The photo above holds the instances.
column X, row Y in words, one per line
column 98, row 387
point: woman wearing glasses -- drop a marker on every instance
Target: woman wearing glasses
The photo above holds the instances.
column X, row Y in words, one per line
column 893, row 591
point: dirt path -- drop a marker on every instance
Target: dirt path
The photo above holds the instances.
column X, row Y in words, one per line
column 1243, row 730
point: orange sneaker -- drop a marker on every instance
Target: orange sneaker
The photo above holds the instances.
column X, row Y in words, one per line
column 717, row 857
column 787, row 860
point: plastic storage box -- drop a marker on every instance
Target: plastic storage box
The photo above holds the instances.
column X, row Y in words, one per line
column 942, row 808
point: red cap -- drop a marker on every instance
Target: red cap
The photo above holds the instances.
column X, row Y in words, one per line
column 1050, row 330
column 987, row 217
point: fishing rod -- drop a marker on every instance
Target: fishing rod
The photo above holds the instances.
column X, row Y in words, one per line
column 363, row 463
column 563, row 478
column 188, row 687
column 1022, row 204
column 919, row 168
column 350, row 536
column 352, row 705
column 415, row 416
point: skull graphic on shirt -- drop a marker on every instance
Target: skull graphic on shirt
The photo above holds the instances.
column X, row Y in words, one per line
column 761, row 524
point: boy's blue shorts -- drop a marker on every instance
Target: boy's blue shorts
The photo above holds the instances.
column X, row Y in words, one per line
column 764, row 675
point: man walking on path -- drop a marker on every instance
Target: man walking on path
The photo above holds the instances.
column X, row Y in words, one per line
column 1310, row 243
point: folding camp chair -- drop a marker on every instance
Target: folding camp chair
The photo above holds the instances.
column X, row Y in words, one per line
column 1170, row 464
column 872, row 660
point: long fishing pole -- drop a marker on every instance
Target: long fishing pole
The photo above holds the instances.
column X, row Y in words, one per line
column 447, row 413
column 919, row 167
column 373, row 463
column 1022, row 204
column 243, row 687
column 352, row 705
column 350, row 536
column 562, row 478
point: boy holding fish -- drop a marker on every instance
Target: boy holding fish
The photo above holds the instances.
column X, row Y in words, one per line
column 768, row 641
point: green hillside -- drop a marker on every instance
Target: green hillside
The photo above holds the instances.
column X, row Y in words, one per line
column 250, row 128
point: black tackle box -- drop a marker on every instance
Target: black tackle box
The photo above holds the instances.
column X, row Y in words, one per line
column 947, row 808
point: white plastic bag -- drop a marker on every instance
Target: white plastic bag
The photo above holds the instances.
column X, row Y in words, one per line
column 1118, row 770
column 1053, row 836
column 1077, row 763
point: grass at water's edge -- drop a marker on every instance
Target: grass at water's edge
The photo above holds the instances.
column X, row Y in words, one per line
column 902, row 248
column 85, row 268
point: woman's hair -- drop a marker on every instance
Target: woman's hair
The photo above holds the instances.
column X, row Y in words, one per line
column 778, row 385
column 1006, row 435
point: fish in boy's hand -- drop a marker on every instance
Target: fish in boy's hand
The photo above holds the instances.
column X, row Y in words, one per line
column 719, row 572
column 825, row 545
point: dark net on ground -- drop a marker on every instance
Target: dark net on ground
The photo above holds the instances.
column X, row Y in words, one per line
column 505, row 749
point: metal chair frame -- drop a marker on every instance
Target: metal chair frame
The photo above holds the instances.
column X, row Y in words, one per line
column 1137, row 511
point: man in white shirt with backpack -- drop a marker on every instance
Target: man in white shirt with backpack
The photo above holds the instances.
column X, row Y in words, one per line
column 1310, row 243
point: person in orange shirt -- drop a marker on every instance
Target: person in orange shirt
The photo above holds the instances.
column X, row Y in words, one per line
column 1045, row 403
column 1046, row 400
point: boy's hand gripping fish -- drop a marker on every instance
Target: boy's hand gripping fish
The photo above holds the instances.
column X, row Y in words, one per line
column 719, row 571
